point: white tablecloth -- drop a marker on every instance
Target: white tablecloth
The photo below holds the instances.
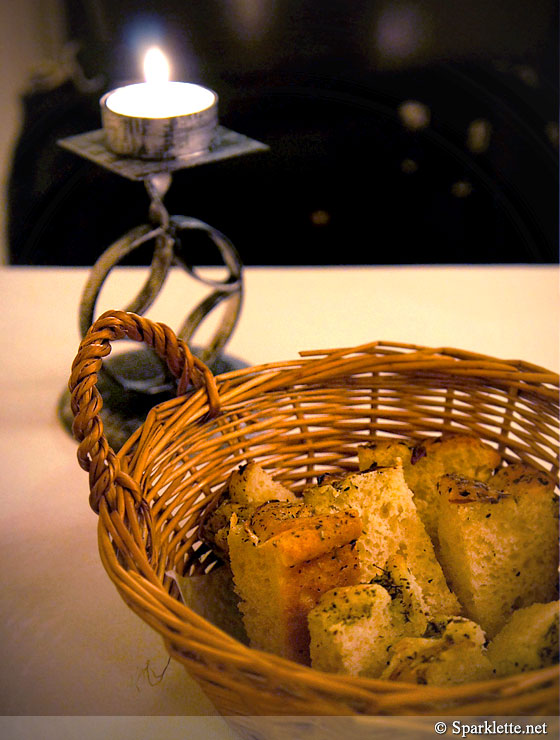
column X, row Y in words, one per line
column 69, row 644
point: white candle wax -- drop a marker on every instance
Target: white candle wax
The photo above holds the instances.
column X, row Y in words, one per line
column 160, row 100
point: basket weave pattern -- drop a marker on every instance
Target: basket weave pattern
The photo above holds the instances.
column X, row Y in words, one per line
column 297, row 419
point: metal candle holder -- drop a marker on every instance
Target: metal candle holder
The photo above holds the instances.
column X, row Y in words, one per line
column 131, row 383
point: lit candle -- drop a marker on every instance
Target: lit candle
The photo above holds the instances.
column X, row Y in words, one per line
column 159, row 119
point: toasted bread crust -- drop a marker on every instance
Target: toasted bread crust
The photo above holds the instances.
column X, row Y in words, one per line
column 281, row 573
column 425, row 461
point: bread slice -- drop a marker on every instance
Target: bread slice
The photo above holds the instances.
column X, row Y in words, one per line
column 391, row 526
column 498, row 549
column 528, row 641
column 539, row 506
column 248, row 487
column 405, row 592
column 214, row 527
column 352, row 629
column 452, row 653
column 425, row 462
column 521, row 478
column 251, row 484
column 282, row 565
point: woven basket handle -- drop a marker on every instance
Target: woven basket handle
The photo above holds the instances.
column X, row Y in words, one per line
column 94, row 453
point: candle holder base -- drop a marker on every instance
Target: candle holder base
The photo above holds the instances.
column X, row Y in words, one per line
column 132, row 384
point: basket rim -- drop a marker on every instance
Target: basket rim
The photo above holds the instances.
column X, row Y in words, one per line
column 520, row 374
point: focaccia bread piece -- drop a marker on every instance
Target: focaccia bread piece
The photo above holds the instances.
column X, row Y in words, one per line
column 540, row 507
column 527, row 642
column 521, row 478
column 248, row 487
column 403, row 588
column 426, row 461
column 251, row 484
column 391, row 526
column 498, row 549
column 451, row 652
column 282, row 564
column 214, row 528
column 352, row 629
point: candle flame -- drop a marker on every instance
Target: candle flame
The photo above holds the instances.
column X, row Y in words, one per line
column 156, row 66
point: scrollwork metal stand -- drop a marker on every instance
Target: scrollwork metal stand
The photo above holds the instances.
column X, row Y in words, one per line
column 131, row 383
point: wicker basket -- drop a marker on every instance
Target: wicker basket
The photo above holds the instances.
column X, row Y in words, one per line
column 297, row 419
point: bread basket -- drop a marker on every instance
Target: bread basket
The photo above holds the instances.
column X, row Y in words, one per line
column 297, row 419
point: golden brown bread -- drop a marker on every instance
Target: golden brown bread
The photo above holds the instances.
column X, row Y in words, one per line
column 499, row 548
column 528, row 641
column 252, row 484
column 391, row 526
column 354, row 628
column 452, row 652
column 248, row 486
column 426, row 461
column 281, row 572
column 348, row 572
column 214, row 527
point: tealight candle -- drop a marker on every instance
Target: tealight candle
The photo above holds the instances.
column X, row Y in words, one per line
column 159, row 119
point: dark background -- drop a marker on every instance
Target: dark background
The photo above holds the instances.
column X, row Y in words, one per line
column 321, row 83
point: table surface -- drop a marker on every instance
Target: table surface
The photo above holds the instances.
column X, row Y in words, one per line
column 70, row 645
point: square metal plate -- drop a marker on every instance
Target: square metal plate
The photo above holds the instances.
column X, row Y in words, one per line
column 225, row 145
